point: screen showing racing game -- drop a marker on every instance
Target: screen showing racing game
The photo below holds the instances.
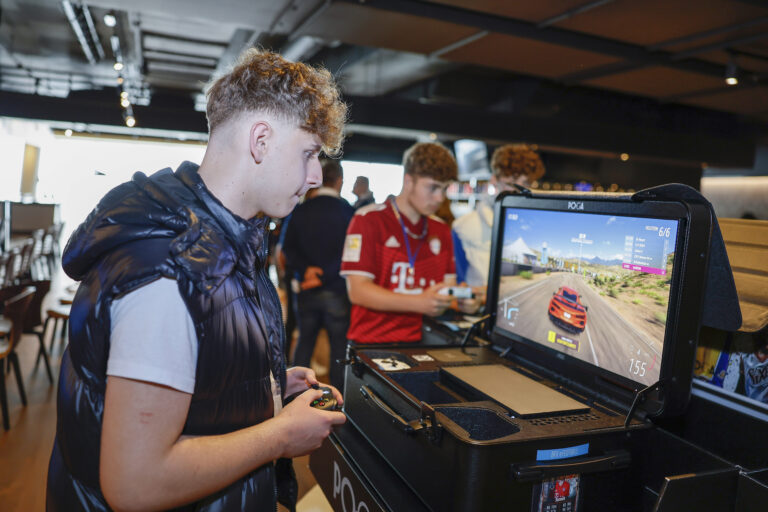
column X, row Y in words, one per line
column 592, row 286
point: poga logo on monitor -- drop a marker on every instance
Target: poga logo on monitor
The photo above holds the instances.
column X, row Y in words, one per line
column 575, row 205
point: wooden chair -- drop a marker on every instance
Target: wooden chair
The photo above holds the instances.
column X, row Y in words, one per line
column 57, row 229
column 47, row 251
column 38, row 266
column 11, row 327
column 50, row 247
column 11, row 267
column 33, row 321
column 4, row 267
column 26, row 255
column 57, row 313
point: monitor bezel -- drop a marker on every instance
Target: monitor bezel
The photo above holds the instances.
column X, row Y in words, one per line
column 679, row 340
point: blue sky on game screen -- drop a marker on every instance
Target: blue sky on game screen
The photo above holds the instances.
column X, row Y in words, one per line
column 611, row 238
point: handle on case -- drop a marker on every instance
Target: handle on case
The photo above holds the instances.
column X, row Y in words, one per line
column 533, row 472
column 397, row 420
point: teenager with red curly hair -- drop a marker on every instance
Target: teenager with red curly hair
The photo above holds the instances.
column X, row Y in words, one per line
column 172, row 387
column 511, row 164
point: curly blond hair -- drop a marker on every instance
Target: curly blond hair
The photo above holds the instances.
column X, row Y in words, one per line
column 514, row 160
column 264, row 81
column 430, row 160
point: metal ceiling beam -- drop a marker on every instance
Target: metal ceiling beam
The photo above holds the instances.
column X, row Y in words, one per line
column 709, row 33
column 612, row 69
column 301, row 48
column 392, row 70
column 619, row 67
column 719, row 46
column 552, row 35
column 338, row 60
column 311, row 16
column 241, row 39
column 229, row 13
column 458, row 44
column 751, row 55
column 298, row 46
column 80, row 20
column 183, row 39
column 600, row 71
column 572, row 12
column 180, row 57
column 207, row 66
column 155, row 65
column 129, row 31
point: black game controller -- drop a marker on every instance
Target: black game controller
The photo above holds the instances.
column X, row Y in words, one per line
column 326, row 402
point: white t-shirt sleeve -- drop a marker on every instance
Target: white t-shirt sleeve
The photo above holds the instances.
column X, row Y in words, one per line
column 153, row 337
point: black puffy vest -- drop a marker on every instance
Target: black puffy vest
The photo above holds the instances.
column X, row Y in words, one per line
column 169, row 225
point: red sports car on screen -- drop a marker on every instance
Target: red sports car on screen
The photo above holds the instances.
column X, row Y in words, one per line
column 567, row 311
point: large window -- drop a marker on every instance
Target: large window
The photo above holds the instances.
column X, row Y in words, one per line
column 77, row 171
column 383, row 179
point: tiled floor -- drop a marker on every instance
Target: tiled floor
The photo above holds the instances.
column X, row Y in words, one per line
column 26, row 447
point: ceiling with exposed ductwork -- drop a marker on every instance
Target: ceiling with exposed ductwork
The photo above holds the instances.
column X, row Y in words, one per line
column 593, row 76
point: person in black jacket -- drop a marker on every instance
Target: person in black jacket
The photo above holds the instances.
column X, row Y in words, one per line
column 313, row 246
column 171, row 389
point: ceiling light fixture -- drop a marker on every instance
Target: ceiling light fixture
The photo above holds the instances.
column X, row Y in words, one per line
column 731, row 71
column 125, row 103
column 130, row 121
column 118, row 66
column 110, row 20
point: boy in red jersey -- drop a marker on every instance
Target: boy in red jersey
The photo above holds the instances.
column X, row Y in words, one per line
column 397, row 256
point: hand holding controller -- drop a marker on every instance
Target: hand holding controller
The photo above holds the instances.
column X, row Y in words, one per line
column 459, row 292
column 326, row 402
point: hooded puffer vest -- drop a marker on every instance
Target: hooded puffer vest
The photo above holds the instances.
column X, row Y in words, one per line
column 169, row 225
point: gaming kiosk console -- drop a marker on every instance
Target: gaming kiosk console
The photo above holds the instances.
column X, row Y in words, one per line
column 549, row 402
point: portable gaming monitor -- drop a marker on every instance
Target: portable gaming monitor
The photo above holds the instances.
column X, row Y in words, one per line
column 592, row 282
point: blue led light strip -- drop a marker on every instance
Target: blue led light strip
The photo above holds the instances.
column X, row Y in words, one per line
column 562, row 453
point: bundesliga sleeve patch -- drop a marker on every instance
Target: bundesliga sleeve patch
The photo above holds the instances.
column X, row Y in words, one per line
column 352, row 247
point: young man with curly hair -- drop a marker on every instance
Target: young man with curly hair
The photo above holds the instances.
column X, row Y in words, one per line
column 398, row 256
column 172, row 386
column 511, row 164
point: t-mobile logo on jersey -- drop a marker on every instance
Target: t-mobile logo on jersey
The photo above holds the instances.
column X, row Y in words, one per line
column 406, row 283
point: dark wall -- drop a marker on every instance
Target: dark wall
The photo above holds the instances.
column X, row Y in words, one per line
column 632, row 174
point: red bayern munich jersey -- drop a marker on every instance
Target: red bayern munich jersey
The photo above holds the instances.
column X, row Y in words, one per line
column 375, row 247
